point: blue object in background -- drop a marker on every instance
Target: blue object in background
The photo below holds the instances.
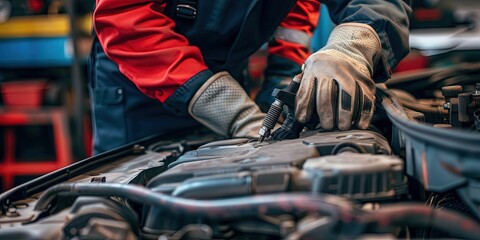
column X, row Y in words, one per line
column 324, row 28
column 35, row 52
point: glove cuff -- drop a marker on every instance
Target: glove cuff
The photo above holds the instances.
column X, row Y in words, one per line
column 356, row 41
column 223, row 106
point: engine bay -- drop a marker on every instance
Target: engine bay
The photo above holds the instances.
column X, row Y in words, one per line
column 412, row 174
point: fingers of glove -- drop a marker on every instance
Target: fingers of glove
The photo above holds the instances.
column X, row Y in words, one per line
column 327, row 95
column 305, row 98
column 366, row 106
column 346, row 104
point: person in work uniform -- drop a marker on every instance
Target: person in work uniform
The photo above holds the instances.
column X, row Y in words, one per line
column 159, row 66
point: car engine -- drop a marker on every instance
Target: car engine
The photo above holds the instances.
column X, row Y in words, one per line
column 413, row 174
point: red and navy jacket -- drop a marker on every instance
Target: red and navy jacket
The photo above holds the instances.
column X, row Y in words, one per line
column 149, row 57
column 160, row 49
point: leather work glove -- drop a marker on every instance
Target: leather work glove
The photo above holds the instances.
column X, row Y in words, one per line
column 337, row 80
column 223, row 106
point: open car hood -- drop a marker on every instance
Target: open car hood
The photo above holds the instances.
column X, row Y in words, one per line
column 408, row 176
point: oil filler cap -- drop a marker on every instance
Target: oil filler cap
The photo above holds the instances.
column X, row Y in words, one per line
column 363, row 177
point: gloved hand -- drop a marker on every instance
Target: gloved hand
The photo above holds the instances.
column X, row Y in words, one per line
column 223, row 106
column 336, row 82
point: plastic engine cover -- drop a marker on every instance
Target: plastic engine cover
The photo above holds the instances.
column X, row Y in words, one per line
column 363, row 177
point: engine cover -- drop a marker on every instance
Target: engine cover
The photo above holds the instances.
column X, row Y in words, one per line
column 234, row 168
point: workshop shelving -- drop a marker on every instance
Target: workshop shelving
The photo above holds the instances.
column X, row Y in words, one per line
column 30, row 45
column 11, row 118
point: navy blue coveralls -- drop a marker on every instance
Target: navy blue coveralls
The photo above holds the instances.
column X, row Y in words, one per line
column 227, row 32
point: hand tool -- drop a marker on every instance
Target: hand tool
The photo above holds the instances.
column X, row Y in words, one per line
column 282, row 97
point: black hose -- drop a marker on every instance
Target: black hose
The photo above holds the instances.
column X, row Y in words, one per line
column 393, row 215
column 418, row 215
column 222, row 209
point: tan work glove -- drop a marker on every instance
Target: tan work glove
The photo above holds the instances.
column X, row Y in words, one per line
column 336, row 82
column 223, row 106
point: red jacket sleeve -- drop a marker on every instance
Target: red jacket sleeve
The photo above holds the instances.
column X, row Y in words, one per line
column 303, row 17
column 141, row 40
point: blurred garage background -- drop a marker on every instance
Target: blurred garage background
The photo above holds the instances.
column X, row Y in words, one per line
column 44, row 46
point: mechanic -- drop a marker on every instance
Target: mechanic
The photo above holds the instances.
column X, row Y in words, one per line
column 161, row 66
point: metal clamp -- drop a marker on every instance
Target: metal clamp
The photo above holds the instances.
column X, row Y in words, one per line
column 186, row 11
